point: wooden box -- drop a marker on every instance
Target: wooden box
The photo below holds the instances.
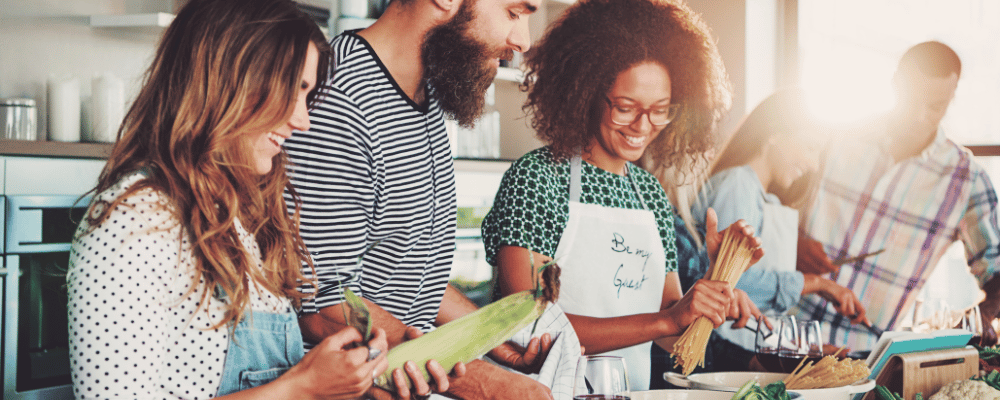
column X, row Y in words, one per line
column 926, row 372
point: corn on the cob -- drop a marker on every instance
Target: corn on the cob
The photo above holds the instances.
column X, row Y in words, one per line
column 473, row 335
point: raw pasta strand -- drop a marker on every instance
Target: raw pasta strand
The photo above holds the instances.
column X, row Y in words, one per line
column 733, row 259
column 828, row 372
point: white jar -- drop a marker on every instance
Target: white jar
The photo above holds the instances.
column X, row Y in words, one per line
column 107, row 108
column 64, row 108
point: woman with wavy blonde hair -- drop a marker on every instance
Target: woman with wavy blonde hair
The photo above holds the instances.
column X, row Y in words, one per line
column 184, row 275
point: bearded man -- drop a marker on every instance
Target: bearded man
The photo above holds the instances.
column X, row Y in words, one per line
column 375, row 170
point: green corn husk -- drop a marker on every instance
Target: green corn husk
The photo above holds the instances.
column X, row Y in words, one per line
column 356, row 314
column 473, row 335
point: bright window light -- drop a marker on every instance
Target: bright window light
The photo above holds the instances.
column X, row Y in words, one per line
column 848, row 51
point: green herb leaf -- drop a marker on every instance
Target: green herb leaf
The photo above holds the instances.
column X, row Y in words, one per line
column 776, row 391
column 988, row 353
column 884, row 393
column 992, row 379
column 752, row 391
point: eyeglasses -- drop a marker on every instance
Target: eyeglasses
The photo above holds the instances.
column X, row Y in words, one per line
column 625, row 115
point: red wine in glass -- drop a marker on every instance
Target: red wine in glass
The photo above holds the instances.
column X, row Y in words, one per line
column 789, row 361
column 769, row 359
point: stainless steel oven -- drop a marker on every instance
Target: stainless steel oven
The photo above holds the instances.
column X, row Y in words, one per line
column 39, row 211
column 39, row 230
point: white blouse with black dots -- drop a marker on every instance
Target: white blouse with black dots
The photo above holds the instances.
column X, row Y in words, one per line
column 135, row 329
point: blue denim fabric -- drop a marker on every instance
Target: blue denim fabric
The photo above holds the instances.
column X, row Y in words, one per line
column 263, row 346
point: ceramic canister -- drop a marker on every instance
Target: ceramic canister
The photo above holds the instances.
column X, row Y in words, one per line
column 64, row 108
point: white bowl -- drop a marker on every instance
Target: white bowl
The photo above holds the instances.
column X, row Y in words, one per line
column 732, row 381
column 685, row 394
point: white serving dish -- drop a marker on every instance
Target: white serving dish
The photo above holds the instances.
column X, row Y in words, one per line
column 732, row 381
column 686, row 394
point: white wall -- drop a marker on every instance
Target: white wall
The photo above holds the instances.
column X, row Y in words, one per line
column 43, row 37
column 748, row 33
column 728, row 22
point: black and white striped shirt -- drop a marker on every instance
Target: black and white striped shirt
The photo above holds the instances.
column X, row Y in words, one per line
column 375, row 166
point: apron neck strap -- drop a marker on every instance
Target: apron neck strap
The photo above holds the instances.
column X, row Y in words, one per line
column 575, row 171
column 575, row 165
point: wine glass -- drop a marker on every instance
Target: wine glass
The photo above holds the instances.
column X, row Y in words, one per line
column 772, row 346
column 972, row 321
column 601, row 378
column 932, row 315
column 766, row 346
column 810, row 341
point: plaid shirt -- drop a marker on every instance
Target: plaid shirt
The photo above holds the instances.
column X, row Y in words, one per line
column 914, row 209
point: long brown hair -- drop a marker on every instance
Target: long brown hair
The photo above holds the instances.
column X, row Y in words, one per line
column 582, row 54
column 223, row 69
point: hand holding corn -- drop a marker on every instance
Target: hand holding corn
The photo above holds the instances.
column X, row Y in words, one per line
column 475, row 334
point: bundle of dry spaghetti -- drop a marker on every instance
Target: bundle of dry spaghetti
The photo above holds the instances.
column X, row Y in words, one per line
column 828, row 372
column 734, row 258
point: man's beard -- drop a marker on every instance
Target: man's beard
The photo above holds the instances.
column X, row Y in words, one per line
column 459, row 68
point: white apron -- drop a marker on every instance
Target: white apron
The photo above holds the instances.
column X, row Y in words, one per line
column 613, row 265
column 779, row 233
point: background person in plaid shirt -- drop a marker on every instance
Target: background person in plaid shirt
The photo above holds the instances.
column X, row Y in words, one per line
column 896, row 182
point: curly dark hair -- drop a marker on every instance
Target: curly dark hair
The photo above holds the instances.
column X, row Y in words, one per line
column 581, row 55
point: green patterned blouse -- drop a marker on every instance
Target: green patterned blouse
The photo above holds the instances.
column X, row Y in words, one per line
column 532, row 205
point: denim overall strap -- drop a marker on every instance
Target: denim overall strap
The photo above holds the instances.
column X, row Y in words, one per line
column 263, row 346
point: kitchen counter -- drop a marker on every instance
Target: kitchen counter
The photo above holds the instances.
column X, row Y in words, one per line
column 55, row 149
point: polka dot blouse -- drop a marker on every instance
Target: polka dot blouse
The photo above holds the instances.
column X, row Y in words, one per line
column 136, row 329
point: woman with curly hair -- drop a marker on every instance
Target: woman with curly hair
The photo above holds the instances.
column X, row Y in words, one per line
column 610, row 80
column 184, row 276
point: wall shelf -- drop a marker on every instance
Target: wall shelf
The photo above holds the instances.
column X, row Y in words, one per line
column 54, row 149
column 161, row 20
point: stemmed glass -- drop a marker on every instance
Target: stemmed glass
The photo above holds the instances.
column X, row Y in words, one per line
column 810, row 341
column 601, row 378
column 972, row 321
column 933, row 315
column 773, row 346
